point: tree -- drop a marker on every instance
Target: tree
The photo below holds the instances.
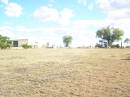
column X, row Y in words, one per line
column 4, row 42
column 67, row 40
column 110, row 34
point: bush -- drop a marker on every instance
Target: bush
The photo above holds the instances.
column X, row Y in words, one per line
column 4, row 42
column 115, row 46
column 98, row 46
column 127, row 46
column 26, row 46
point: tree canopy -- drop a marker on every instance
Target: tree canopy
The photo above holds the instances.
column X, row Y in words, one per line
column 110, row 34
column 4, row 42
column 67, row 40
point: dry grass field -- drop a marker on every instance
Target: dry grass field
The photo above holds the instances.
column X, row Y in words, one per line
column 65, row 73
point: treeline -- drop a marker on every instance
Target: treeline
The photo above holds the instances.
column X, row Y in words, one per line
column 106, row 36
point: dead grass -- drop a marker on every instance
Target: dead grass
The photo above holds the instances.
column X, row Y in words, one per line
column 65, row 73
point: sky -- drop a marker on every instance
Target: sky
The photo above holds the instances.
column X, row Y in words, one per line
column 45, row 21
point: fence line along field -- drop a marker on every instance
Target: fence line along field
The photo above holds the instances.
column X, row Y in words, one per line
column 65, row 73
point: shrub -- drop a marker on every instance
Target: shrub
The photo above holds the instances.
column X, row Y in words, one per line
column 4, row 42
column 26, row 46
column 127, row 46
column 98, row 46
column 115, row 46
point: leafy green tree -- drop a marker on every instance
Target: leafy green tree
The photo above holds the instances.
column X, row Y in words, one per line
column 110, row 34
column 4, row 42
column 67, row 40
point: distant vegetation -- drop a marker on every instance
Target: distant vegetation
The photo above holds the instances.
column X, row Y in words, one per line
column 4, row 42
column 67, row 40
column 109, row 35
column 26, row 46
column 115, row 46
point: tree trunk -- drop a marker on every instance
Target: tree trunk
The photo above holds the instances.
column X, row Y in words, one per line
column 109, row 43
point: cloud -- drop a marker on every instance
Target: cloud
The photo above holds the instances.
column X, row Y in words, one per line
column 52, row 1
column 6, row 31
column 83, row 2
column 46, row 13
column 13, row 10
column 66, row 13
column 113, row 4
column 123, row 24
column 90, row 7
column 103, row 4
column 87, row 3
column 90, row 24
column 4, row 1
column 115, row 9
column 119, row 13
column 65, row 16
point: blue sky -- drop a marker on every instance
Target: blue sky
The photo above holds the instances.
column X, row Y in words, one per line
column 49, row 20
